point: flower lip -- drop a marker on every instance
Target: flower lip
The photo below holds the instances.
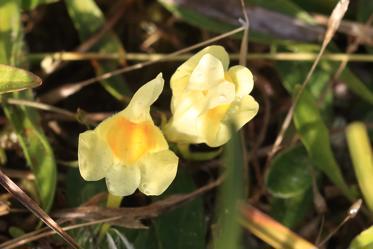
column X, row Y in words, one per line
column 128, row 149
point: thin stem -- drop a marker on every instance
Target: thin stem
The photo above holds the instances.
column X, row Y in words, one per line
column 281, row 56
column 113, row 201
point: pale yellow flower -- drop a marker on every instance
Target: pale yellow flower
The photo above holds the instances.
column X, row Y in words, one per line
column 128, row 149
column 207, row 98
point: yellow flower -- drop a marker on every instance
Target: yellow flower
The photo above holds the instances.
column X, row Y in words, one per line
column 207, row 97
column 128, row 149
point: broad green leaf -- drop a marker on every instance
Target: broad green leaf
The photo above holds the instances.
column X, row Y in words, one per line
column 364, row 240
column 289, row 174
column 181, row 228
column 79, row 191
column 231, row 192
column 88, row 20
column 291, row 211
column 31, row 4
column 26, row 121
column 362, row 159
column 315, row 137
column 15, row 79
column 185, row 225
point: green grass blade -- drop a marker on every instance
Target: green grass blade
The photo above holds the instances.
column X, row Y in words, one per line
column 230, row 193
column 362, row 159
column 88, row 20
column 15, row 79
column 315, row 137
column 26, row 121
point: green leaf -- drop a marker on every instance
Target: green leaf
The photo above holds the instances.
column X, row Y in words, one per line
column 293, row 73
column 315, row 137
column 185, row 225
column 88, row 20
column 289, row 174
column 26, row 121
column 230, row 194
column 364, row 240
column 79, row 191
column 31, row 4
column 291, row 211
column 15, row 79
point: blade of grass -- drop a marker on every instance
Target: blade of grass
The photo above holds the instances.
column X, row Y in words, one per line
column 230, row 193
column 270, row 231
column 362, row 159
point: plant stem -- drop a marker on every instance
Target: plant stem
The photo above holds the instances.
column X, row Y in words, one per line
column 112, row 201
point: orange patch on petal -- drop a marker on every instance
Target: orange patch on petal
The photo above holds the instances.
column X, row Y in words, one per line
column 129, row 141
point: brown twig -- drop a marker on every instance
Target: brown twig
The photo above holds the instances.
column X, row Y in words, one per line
column 112, row 214
column 31, row 205
column 71, row 88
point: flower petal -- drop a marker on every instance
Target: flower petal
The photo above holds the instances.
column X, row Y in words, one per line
column 123, row 180
column 158, row 170
column 94, row 156
column 223, row 93
column 242, row 111
column 180, row 78
column 215, row 132
column 173, row 134
column 139, row 106
column 185, row 120
column 243, row 79
column 208, row 72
